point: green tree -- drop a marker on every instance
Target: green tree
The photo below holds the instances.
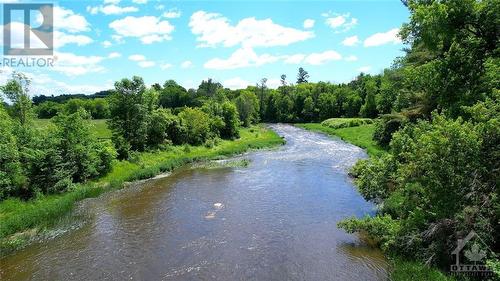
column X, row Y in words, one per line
column 17, row 91
column 197, row 125
column 129, row 114
column 12, row 178
column 248, row 107
column 302, row 76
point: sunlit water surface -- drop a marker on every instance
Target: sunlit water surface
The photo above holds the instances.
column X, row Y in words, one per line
column 273, row 220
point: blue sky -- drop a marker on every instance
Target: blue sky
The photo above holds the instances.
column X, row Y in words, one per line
column 233, row 42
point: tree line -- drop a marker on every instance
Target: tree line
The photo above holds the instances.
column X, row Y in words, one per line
column 440, row 178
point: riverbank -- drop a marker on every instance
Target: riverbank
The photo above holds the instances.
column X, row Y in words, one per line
column 20, row 221
column 361, row 136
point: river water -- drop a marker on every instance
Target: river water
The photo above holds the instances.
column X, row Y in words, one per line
column 272, row 220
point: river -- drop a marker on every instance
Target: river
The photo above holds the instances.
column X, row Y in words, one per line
column 272, row 220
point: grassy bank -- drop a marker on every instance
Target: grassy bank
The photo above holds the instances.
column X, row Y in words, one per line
column 20, row 220
column 361, row 136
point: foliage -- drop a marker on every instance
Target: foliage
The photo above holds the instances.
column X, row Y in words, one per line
column 18, row 216
column 197, row 125
column 129, row 115
column 438, row 183
column 11, row 174
column 248, row 107
column 337, row 123
column 386, row 127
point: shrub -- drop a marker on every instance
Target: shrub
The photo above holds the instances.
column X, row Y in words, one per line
column 385, row 127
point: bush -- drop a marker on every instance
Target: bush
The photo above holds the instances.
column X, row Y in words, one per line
column 385, row 127
column 437, row 183
column 197, row 124
column 337, row 123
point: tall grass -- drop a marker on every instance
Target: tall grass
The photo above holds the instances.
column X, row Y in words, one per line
column 18, row 216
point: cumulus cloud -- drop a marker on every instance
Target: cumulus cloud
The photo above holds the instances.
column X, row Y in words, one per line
column 322, row 58
column 213, row 29
column 67, row 20
column 186, row 64
column 137, row 58
column 148, row 29
column 340, row 22
column 351, row 58
column 172, row 14
column 294, row 59
column 114, row 55
column 111, row 7
column 243, row 57
column 71, row 64
column 141, row 60
column 246, row 57
column 61, row 39
column 106, row 44
column 350, row 41
column 383, row 38
column 308, row 23
column 165, row 66
column 146, row 63
column 235, row 83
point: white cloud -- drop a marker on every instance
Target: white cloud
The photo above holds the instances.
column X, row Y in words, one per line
column 70, row 64
column 140, row 1
column 172, row 14
column 67, row 20
column 148, row 29
column 243, row 57
column 146, row 63
column 294, row 59
column 141, row 61
column 235, row 83
column 340, row 22
column 159, row 7
column 350, row 41
column 322, row 58
column 351, row 58
column 383, row 38
column 165, row 66
column 61, row 39
column 111, row 8
column 365, row 69
column 308, row 23
column 137, row 58
column 246, row 57
column 106, row 44
column 213, row 29
column 114, row 55
column 186, row 64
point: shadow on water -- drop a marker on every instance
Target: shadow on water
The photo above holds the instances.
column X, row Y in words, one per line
column 274, row 219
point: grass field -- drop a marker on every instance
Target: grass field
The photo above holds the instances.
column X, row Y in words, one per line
column 20, row 220
column 361, row 136
column 100, row 127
